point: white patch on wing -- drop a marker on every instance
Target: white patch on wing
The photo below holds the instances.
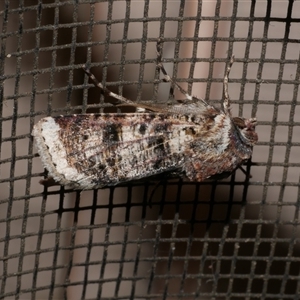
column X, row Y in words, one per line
column 53, row 153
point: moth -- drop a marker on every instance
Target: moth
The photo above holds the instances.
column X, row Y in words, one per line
column 191, row 138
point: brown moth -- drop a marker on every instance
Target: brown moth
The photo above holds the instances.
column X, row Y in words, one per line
column 192, row 139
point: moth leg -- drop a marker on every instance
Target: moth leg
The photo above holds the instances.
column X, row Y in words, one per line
column 104, row 89
column 167, row 78
column 226, row 101
column 49, row 181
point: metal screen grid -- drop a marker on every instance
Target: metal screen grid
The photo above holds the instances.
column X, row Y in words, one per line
column 231, row 239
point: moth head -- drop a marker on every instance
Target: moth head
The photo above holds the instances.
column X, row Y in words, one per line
column 246, row 128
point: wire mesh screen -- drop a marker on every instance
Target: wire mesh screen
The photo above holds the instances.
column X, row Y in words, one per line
column 236, row 238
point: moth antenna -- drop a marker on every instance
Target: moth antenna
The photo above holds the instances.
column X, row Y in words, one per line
column 226, row 101
column 167, row 78
column 104, row 89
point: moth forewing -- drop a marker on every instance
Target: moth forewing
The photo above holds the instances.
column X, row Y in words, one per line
column 90, row 151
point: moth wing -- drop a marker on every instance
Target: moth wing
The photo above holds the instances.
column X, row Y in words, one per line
column 89, row 151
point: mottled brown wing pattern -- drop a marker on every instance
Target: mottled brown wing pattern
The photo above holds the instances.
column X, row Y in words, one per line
column 192, row 138
column 113, row 148
column 109, row 148
column 123, row 147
